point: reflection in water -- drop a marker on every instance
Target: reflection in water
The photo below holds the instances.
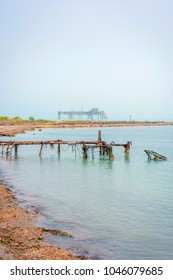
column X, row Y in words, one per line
column 127, row 158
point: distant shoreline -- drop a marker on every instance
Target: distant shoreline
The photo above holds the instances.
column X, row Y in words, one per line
column 13, row 127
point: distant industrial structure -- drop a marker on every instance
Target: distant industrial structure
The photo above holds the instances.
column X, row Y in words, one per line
column 94, row 113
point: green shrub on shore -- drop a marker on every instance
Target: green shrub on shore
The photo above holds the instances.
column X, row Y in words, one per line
column 5, row 118
column 31, row 119
column 69, row 121
column 17, row 118
column 43, row 120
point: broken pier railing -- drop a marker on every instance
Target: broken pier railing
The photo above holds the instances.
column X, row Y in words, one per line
column 105, row 148
column 154, row 156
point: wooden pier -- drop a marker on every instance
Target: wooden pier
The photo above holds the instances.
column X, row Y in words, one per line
column 105, row 148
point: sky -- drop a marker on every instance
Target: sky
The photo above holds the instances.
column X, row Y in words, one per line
column 115, row 55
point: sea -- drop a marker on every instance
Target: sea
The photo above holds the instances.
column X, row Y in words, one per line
column 120, row 209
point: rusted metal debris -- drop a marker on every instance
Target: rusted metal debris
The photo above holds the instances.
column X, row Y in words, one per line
column 104, row 147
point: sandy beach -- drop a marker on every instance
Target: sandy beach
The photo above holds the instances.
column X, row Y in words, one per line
column 20, row 238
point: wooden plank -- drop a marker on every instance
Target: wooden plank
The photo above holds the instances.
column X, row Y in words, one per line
column 50, row 142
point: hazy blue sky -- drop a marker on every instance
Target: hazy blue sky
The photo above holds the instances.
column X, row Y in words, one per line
column 116, row 55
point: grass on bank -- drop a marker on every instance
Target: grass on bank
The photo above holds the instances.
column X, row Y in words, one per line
column 5, row 118
column 19, row 119
column 33, row 120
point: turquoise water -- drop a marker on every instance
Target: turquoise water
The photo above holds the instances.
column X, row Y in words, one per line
column 119, row 209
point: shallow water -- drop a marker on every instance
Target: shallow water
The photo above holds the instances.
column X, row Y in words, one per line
column 119, row 209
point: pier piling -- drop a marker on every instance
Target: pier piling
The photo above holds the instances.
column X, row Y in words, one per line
column 59, row 149
column 111, row 156
column 127, row 147
column 84, row 148
column 41, row 149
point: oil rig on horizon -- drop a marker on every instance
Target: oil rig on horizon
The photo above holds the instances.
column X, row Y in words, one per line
column 91, row 114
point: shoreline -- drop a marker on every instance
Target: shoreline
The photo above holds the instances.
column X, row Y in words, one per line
column 11, row 128
column 21, row 238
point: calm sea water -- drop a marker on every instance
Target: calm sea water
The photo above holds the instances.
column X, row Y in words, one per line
column 119, row 209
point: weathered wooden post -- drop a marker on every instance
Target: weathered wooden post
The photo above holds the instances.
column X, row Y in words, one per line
column 7, row 150
column 59, row 149
column 84, row 148
column 102, row 151
column 92, row 151
column 41, row 149
column 149, row 157
column 2, row 149
column 15, row 149
column 111, row 156
column 99, row 136
column 100, row 140
column 127, row 147
column 75, row 150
